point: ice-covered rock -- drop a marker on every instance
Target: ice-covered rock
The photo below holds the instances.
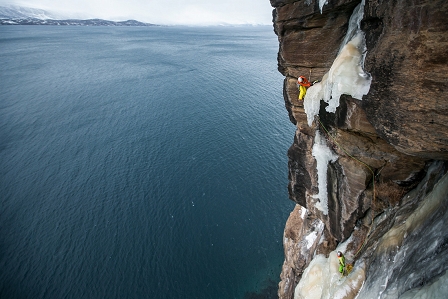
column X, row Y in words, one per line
column 346, row 76
column 435, row 290
column 323, row 155
column 301, row 238
column 413, row 252
column 322, row 280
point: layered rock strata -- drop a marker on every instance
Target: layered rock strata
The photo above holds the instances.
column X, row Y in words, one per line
column 384, row 143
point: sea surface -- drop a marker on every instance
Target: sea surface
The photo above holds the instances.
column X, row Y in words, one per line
column 141, row 162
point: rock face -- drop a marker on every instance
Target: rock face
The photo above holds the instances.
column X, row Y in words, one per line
column 408, row 58
column 384, row 142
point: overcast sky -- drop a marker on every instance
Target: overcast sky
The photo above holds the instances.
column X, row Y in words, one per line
column 159, row 11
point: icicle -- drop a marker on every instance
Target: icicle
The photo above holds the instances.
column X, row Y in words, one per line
column 354, row 24
column 323, row 156
column 321, row 4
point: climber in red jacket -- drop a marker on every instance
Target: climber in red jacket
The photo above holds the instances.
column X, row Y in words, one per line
column 302, row 84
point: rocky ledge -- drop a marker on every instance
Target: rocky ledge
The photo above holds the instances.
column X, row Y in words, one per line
column 386, row 191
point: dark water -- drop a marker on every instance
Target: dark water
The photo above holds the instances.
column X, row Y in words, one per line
column 141, row 162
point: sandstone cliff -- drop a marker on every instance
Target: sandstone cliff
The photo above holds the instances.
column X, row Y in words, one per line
column 390, row 145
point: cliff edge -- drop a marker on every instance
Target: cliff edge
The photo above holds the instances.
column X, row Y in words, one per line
column 368, row 165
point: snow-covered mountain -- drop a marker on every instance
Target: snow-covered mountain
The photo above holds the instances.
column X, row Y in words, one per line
column 16, row 15
column 18, row 12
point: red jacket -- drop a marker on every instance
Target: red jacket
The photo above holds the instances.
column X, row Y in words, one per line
column 304, row 82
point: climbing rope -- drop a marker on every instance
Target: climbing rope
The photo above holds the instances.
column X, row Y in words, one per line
column 368, row 167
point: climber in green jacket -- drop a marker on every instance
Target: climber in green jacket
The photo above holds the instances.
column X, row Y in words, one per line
column 341, row 259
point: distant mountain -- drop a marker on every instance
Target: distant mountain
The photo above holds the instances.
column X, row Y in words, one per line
column 16, row 15
column 91, row 22
column 18, row 12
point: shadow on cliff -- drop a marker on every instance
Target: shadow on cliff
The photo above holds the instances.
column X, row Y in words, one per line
column 269, row 291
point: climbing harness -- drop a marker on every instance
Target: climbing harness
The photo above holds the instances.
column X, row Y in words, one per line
column 302, row 84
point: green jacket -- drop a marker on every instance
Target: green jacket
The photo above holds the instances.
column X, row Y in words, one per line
column 342, row 261
column 341, row 264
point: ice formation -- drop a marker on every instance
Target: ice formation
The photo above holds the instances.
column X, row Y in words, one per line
column 322, row 280
column 354, row 24
column 418, row 240
column 302, row 212
column 436, row 290
column 346, row 75
column 310, row 239
column 323, row 156
column 321, row 4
